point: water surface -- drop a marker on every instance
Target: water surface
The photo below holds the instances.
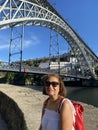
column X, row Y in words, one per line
column 87, row 95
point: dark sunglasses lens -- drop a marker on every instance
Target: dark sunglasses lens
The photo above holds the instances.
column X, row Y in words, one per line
column 54, row 84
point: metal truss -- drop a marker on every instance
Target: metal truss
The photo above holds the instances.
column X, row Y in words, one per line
column 41, row 13
column 54, row 50
column 16, row 43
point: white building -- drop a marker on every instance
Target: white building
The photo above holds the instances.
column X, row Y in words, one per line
column 44, row 65
column 65, row 66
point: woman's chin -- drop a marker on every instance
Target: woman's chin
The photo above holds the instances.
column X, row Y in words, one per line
column 50, row 94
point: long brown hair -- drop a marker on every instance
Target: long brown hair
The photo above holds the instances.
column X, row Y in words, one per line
column 62, row 91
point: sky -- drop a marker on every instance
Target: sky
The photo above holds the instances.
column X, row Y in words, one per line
column 82, row 16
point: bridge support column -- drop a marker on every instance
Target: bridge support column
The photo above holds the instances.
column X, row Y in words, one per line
column 16, row 44
column 54, row 50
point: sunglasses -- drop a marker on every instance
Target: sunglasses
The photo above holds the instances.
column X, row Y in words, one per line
column 54, row 84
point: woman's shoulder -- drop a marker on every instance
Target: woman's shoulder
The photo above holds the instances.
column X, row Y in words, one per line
column 65, row 103
column 64, row 100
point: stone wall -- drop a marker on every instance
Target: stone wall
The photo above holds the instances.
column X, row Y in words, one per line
column 11, row 113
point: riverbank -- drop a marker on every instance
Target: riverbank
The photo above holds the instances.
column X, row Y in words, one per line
column 30, row 100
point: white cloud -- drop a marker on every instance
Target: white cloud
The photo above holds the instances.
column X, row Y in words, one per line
column 27, row 43
column 32, row 42
column 2, row 47
column 35, row 40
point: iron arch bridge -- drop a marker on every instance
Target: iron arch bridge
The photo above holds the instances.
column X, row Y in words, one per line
column 41, row 13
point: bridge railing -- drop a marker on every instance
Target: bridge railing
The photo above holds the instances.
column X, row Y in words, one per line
column 5, row 66
column 9, row 67
column 17, row 67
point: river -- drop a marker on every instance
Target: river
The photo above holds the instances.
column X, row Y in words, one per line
column 87, row 95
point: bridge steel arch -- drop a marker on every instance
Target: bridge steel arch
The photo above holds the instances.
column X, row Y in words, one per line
column 41, row 13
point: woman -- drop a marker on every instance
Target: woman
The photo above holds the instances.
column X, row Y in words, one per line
column 57, row 114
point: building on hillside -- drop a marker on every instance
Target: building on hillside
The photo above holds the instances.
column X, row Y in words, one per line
column 44, row 65
column 65, row 66
column 71, row 67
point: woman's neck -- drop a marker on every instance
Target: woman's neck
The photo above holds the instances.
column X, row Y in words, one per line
column 54, row 98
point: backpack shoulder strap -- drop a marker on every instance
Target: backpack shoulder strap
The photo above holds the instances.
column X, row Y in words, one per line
column 61, row 103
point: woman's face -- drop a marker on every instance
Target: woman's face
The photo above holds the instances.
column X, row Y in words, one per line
column 52, row 86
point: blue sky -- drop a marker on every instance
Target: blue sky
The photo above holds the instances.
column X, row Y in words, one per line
column 82, row 16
